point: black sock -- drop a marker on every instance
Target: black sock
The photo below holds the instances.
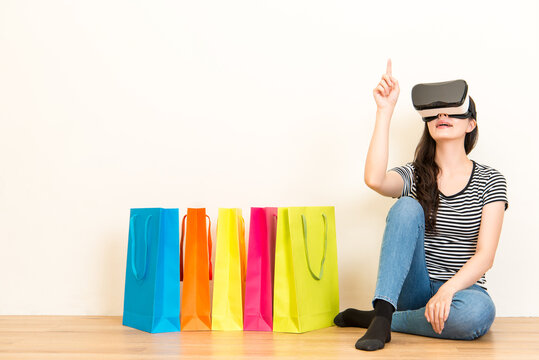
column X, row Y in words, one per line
column 354, row 317
column 379, row 331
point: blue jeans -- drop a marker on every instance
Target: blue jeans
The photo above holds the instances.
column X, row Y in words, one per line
column 403, row 281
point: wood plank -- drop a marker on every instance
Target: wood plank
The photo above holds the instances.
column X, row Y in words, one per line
column 101, row 337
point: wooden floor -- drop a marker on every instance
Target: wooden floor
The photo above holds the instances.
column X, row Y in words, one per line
column 90, row 337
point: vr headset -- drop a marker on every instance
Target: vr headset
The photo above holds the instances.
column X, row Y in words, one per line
column 447, row 97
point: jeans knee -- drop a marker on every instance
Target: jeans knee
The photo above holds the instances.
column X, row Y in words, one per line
column 409, row 208
column 471, row 315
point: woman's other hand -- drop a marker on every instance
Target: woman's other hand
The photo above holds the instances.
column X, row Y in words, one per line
column 438, row 307
column 387, row 91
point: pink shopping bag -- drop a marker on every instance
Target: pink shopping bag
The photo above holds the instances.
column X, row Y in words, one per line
column 258, row 309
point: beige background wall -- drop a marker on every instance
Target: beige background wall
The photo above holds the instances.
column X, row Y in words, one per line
column 108, row 105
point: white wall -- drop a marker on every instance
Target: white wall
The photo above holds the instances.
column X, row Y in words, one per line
column 108, row 105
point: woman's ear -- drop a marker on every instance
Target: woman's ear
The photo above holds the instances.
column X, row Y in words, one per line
column 472, row 123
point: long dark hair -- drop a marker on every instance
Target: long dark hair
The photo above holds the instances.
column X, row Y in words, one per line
column 426, row 171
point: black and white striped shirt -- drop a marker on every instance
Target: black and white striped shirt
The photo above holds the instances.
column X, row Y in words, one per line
column 458, row 219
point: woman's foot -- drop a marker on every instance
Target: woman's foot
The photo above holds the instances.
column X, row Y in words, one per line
column 354, row 318
column 379, row 331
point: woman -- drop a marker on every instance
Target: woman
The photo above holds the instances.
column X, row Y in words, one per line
column 440, row 236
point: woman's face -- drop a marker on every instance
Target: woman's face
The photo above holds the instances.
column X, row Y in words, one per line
column 455, row 128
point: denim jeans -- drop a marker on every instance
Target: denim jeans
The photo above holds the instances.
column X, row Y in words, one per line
column 403, row 281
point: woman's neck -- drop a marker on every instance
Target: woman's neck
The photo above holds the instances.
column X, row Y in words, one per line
column 451, row 158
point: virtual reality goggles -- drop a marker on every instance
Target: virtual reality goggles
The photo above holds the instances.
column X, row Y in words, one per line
column 448, row 97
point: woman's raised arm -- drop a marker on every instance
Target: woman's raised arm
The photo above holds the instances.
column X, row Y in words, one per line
column 376, row 177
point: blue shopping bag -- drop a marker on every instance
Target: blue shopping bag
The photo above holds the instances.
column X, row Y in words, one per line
column 152, row 276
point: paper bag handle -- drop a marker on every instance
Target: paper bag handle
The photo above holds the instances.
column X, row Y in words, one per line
column 181, row 247
column 209, row 245
column 242, row 249
column 133, row 247
column 304, row 221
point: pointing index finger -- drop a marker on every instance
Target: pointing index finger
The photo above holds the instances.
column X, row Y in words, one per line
column 388, row 70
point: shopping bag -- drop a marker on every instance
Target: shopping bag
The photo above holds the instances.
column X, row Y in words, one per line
column 195, row 271
column 306, row 285
column 152, row 277
column 229, row 274
column 258, row 310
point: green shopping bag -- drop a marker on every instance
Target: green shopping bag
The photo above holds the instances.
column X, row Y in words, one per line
column 306, row 288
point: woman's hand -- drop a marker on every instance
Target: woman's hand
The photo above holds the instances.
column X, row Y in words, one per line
column 387, row 91
column 437, row 309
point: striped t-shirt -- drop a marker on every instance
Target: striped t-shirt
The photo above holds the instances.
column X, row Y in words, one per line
column 458, row 219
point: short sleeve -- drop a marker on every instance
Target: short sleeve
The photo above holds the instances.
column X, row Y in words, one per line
column 407, row 173
column 495, row 189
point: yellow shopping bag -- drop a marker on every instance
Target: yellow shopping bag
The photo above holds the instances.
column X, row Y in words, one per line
column 229, row 274
column 306, row 292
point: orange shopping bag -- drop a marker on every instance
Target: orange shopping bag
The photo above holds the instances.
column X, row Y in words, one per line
column 195, row 299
